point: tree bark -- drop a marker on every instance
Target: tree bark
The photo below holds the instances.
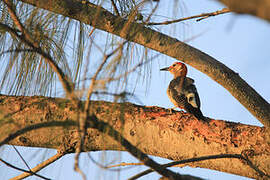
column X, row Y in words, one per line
column 153, row 130
column 259, row 8
column 102, row 19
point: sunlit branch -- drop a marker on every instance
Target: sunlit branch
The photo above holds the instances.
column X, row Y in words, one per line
column 24, row 130
column 102, row 127
column 247, row 135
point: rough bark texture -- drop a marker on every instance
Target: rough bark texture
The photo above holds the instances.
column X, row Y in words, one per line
column 154, row 130
column 259, row 8
column 102, row 19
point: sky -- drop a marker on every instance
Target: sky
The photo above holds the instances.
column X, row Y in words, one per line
column 238, row 41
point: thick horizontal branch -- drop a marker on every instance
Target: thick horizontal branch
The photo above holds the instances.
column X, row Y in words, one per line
column 153, row 130
column 102, row 19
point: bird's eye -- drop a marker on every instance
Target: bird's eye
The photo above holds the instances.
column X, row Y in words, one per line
column 173, row 65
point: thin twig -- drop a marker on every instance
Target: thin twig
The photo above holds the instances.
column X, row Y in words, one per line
column 115, row 8
column 92, row 31
column 152, row 12
column 220, row 156
column 201, row 16
column 19, row 169
column 21, row 157
column 40, row 166
column 102, row 166
column 125, row 164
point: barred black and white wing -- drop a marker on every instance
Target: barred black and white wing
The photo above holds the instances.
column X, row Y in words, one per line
column 183, row 94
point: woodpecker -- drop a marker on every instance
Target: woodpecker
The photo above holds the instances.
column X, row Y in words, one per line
column 182, row 91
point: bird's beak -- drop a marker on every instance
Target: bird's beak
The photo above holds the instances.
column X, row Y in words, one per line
column 165, row 69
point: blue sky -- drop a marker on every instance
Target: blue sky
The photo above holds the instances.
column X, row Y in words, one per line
column 238, row 41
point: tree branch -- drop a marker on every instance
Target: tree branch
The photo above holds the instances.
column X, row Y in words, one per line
column 105, row 128
column 153, row 130
column 89, row 13
column 259, row 8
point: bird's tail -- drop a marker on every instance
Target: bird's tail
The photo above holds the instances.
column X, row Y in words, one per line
column 196, row 112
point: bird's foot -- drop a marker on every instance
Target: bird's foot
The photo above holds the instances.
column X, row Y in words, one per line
column 171, row 110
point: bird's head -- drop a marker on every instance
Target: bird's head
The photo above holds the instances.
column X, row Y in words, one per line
column 177, row 69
